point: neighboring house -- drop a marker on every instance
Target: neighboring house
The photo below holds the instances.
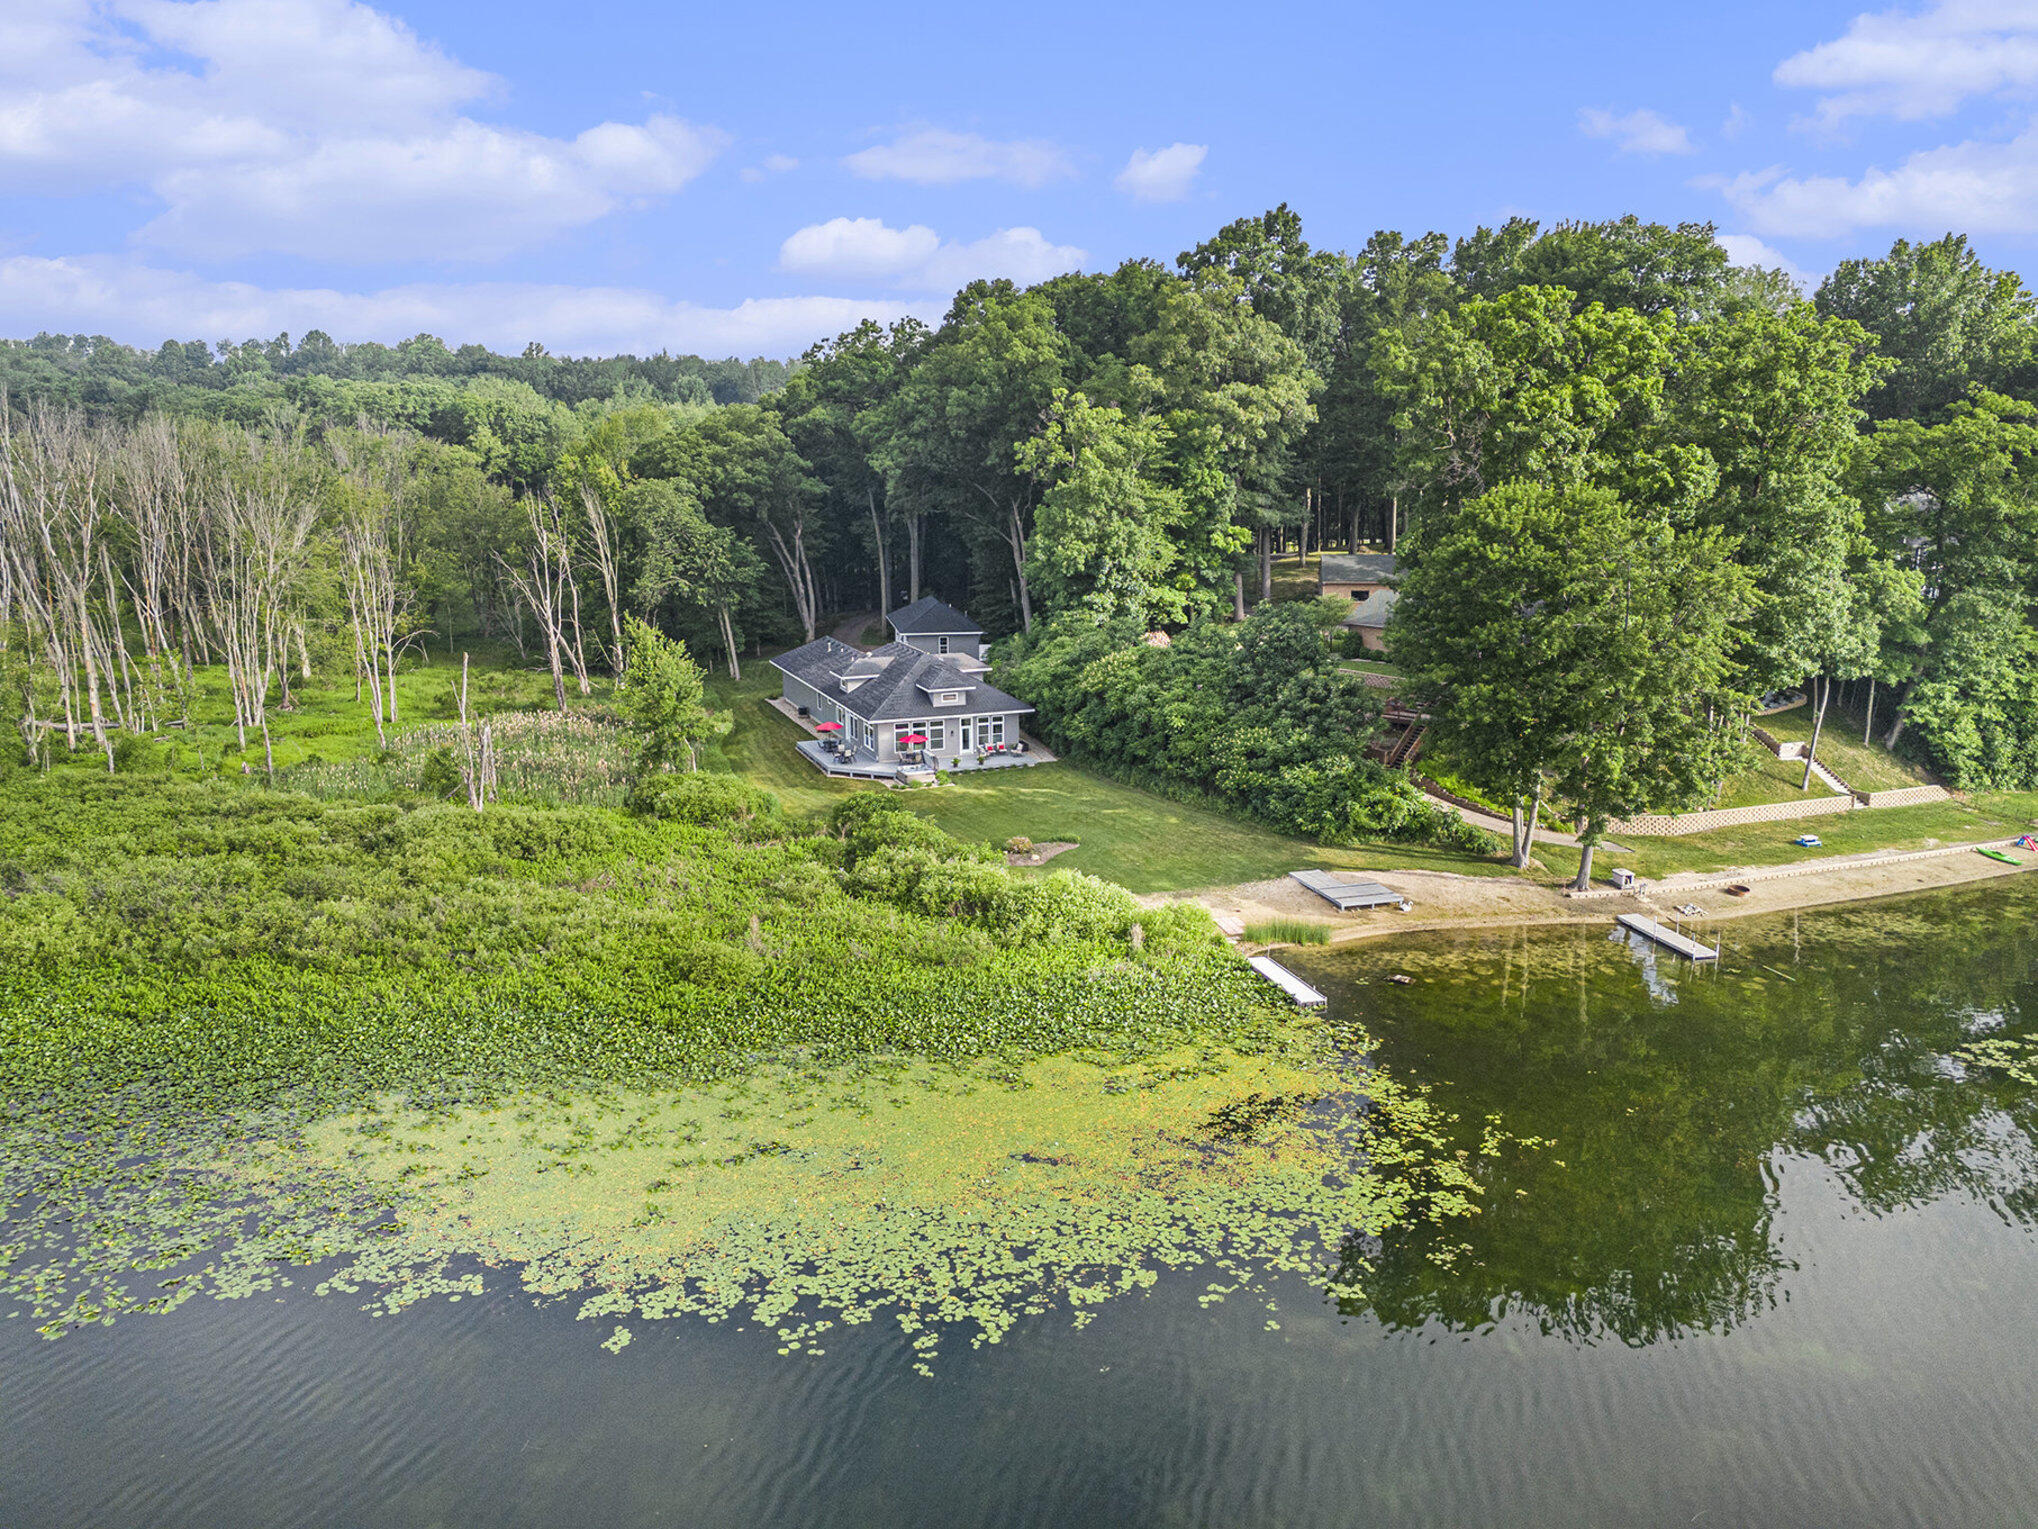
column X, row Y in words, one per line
column 932, row 627
column 905, row 688
column 1367, row 580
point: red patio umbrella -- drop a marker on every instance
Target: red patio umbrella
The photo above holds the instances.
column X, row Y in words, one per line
column 914, row 738
column 828, row 727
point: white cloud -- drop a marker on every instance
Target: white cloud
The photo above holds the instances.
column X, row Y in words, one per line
column 313, row 127
column 1978, row 187
column 144, row 305
column 1638, row 132
column 1020, row 253
column 934, row 157
column 1736, row 122
column 1747, row 250
column 1165, row 175
column 858, row 249
column 774, row 164
column 1914, row 65
column 915, row 258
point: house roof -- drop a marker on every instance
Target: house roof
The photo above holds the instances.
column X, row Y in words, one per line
column 900, row 682
column 1357, row 568
column 929, row 617
column 1373, row 611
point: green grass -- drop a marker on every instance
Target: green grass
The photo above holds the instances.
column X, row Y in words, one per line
column 1864, row 766
column 1287, row 931
column 325, row 721
column 1371, row 666
column 1144, row 842
column 1991, row 815
column 1292, row 580
column 1768, row 779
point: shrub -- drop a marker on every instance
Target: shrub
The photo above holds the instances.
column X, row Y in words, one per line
column 701, row 799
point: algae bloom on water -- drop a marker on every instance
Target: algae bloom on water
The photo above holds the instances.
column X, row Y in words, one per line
column 936, row 1196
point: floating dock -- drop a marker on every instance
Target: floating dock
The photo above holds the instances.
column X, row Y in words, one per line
column 1304, row 995
column 1669, row 939
column 1345, row 894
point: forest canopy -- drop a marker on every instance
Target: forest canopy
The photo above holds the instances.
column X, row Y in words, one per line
column 1135, row 450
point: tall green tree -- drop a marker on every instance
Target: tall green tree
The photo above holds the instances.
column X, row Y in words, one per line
column 1958, row 501
column 706, row 568
column 742, row 470
column 1947, row 321
column 1566, row 643
column 1102, row 537
column 830, row 409
column 984, row 385
column 665, row 699
column 1526, row 386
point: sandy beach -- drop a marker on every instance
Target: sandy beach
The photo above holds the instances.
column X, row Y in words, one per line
column 1446, row 901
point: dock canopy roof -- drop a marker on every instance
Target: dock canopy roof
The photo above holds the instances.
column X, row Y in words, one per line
column 929, row 617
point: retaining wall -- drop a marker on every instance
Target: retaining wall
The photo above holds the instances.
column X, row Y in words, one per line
column 1657, row 825
column 1904, row 796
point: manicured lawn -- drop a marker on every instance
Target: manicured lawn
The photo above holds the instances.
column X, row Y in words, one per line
column 1292, row 580
column 1864, row 766
column 1144, row 842
column 1768, row 779
column 1371, row 666
column 1991, row 815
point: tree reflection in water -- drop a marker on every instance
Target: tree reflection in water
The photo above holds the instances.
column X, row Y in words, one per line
column 1676, row 1096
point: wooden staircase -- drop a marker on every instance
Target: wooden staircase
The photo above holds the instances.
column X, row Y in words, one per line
column 1409, row 744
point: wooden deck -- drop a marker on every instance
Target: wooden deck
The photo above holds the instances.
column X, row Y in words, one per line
column 1304, row 995
column 1346, row 894
column 1669, row 939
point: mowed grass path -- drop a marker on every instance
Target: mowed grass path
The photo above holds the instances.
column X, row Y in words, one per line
column 1987, row 815
column 1142, row 841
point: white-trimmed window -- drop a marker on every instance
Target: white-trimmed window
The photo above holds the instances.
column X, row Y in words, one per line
column 994, row 729
column 941, row 645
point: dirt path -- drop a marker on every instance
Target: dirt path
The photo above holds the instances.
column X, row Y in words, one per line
column 1447, row 901
column 850, row 628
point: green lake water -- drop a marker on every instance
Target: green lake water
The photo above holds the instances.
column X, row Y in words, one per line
column 1775, row 1265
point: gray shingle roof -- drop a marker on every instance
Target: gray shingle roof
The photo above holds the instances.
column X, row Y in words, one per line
column 1357, row 568
column 901, row 678
column 1374, row 610
column 929, row 617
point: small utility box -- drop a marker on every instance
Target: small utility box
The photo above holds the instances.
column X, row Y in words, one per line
column 1623, row 878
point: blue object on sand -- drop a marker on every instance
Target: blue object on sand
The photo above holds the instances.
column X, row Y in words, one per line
column 1808, row 841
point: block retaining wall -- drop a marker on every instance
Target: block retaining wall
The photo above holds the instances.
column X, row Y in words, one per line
column 1903, row 796
column 1662, row 825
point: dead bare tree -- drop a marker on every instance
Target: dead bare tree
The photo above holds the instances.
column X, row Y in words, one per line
column 52, row 514
column 251, row 557
column 544, row 584
column 602, row 545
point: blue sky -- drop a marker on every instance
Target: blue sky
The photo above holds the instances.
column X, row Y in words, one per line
column 746, row 179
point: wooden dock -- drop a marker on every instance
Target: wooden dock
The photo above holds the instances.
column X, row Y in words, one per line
column 1346, row 893
column 1304, row 995
column 1669, row 939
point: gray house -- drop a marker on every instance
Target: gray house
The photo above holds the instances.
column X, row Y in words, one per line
column 913, row 689
column 933, row 627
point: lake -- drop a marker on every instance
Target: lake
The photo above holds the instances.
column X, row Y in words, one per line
column 1775, row 1265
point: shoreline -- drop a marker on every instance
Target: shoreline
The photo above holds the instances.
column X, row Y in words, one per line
column 1446, row 901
